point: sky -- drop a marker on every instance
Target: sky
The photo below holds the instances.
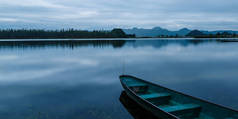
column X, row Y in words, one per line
column 108, row 14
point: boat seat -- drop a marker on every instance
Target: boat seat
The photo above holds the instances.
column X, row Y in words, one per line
column 157, row 98
column 138, row 87
column 184, row 110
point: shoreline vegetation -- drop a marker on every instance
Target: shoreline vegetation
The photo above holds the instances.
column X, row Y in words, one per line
column 84, row 34
column 199, row 34
column 54, row 34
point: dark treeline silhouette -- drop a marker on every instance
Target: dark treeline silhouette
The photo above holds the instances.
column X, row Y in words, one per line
column 199, row 34
column 222, row 35
column 165, row 36
column 70, row 33
column 170, row 36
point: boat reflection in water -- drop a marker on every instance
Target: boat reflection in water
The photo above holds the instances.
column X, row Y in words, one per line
column 134, row 109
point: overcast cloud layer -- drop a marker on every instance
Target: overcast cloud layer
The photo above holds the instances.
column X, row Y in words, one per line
column 106, row 14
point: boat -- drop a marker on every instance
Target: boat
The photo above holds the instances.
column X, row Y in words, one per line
column 165, row 103
column 135, row 110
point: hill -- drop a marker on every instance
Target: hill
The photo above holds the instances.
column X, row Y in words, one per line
column 195, row 33
column 156, row 31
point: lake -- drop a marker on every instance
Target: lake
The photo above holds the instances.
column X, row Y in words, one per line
column 79, row 79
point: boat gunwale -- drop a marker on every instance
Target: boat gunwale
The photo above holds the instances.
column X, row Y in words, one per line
column 195, row 98
column 175, row 117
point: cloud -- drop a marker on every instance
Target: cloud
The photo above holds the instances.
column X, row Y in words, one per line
column 8, row 20
column 91, row 14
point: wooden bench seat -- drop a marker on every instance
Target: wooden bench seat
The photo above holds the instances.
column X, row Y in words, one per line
column 184, row 111
column 157, row 98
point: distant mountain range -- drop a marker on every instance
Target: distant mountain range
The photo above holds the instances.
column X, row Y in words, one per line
column 158, row 31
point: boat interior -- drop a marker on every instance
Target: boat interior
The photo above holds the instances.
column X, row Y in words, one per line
column 135, row 110
column 178, row 104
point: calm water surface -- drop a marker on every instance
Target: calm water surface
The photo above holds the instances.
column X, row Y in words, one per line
column 79, row 79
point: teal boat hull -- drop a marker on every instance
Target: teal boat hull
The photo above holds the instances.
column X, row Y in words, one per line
column 165, row 103
column 135, row 110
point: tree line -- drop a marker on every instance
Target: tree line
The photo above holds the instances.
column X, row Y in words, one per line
column 199, row 34
column 222, row 35
column 69, row 33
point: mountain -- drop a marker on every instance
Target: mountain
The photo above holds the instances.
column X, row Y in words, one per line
column 183, row 32
column 195, row 33
column 156, row 31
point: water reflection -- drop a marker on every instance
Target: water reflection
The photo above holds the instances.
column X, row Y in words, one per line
column 79, row 79
column 61, row 43
column 23, row 44
column 118, row 43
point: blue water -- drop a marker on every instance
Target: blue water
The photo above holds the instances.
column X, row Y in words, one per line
column 79, row 79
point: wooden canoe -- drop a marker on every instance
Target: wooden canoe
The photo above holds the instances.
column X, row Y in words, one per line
column 165, row 103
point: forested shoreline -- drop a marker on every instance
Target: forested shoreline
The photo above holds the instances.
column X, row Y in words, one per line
column 69, row 33
column 78, row 34
column 200, row 34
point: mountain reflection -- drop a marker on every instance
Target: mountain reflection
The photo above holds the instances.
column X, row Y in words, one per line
column 181, row 42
